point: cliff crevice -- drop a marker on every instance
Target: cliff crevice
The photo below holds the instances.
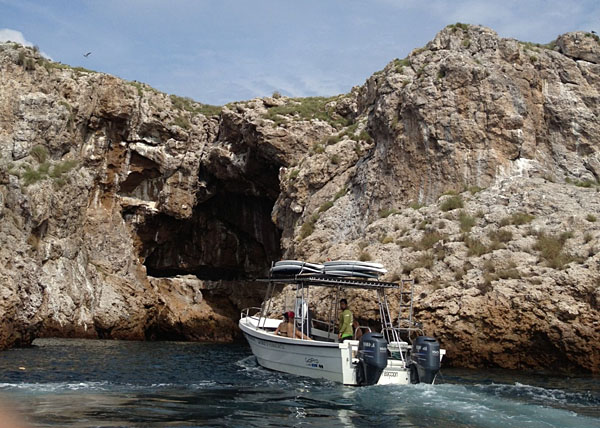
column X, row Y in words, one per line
column 472, row 166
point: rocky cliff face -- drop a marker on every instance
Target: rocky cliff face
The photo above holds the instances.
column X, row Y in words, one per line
column 472, row 166
column 106, row 184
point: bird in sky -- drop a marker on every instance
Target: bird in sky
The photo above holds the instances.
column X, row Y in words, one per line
column 87, row 54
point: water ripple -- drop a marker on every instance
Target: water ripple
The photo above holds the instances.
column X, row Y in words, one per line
column 77, row 383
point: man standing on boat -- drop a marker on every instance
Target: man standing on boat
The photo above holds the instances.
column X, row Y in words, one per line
column 346, row 319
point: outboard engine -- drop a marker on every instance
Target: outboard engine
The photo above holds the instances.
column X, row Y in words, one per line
column 372, row 356
column 425, row 356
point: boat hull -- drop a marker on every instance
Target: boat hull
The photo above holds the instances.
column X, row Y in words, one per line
column 295, row 356
column 336, row 362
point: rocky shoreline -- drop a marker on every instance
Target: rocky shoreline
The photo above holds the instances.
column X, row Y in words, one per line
column 472, row 166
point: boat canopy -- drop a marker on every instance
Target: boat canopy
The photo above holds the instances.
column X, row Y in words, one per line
column 331, row 281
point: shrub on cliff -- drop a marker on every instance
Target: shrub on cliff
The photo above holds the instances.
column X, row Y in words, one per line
column 517, row 219
column 466, row 222
column 39, row 153
column 31, row 175
column 457, row 26
column 429, row 239
column 308, row 227
column 386, row 212
column 63, row 167
column 452, row 203
column 188, row 104
column 47, row 170
column 501, row 235
column 306, row 109
column 424, row 261
column 182, row 121
column 475, row 247
column 551, row 249
column 325, row 206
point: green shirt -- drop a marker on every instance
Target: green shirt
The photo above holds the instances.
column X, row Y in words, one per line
column 346, row 323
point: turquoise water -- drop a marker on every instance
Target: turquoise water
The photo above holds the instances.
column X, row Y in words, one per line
column 85, row 383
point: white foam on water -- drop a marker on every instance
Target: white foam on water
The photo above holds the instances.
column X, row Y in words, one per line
column 202, row 385
column 65, row 387
column 544, row 396
column 56, row 386
column 480, row 406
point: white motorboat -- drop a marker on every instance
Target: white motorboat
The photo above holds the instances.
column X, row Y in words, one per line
column 398, row 354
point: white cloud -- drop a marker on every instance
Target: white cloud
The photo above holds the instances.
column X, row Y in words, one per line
column 9, row 35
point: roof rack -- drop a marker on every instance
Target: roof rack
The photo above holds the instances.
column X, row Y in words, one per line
column 331, row 281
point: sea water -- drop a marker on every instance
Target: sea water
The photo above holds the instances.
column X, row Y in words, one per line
column 93, row 383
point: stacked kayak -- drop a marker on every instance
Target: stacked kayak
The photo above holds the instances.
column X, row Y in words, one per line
column 295, row 267
column 353, row 268
column 339, row 268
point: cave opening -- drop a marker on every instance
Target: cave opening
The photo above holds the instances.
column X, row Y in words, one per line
column 230, row 234
column 229, row 237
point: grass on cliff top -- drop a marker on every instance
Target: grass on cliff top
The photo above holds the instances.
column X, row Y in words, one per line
column 457, row 26
column 593, row 36
column 537, row 46
column 51, row 65
column 306, row 109
column 188, row 104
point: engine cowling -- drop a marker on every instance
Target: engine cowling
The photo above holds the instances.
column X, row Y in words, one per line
column 372, row 356
column 425, row 357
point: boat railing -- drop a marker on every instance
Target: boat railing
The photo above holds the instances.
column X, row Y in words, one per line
column 363, row 329
column 398, row 350
column 319, row 324
column 251, row 312
column 408, row 333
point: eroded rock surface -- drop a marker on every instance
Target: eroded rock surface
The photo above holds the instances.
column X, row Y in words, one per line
column 471, row 166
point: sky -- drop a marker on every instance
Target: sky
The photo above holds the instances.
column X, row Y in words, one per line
column 219, row 51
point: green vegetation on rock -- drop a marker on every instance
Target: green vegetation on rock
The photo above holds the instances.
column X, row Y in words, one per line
column 307, row 109
column 39, row 153
column 47, row 170
column 308, row 227
column 466, row 221
column 188, row 104
column 182, row 122
column 517, row 219
column 458, row 26
column 551, row 248
column 386, row 212
column 452, row 203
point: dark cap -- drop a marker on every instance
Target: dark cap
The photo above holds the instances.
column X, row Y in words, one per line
column 291, row 314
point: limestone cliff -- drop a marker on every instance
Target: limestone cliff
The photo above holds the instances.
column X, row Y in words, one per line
column 472, row 166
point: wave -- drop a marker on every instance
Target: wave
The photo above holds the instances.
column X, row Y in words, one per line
column 56, row 386
column 544, row 396
column 105, row 386
column 495, row 406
